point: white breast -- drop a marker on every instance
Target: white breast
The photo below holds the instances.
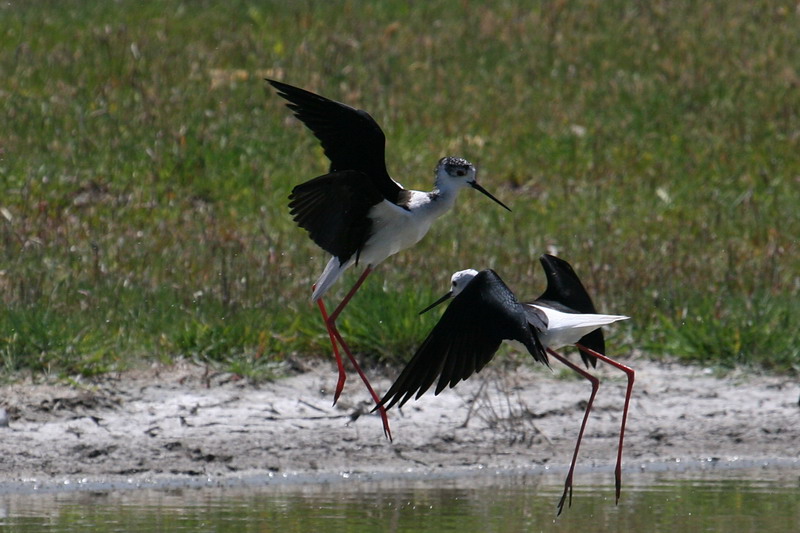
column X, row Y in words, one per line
column 395, row 229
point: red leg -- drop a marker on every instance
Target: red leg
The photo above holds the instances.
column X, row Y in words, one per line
column 330, row 325
column 339, row 363
column 631, row 375
column 381, row 409
column 595, row 385
column 333, row 332
column 349, row 295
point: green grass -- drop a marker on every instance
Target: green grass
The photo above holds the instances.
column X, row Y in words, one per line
column 145, row 167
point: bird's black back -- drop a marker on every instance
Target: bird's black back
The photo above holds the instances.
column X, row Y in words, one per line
column 566, row 293
column 465, row 339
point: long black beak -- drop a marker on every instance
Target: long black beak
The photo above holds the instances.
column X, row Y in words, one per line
column 437, row 302
column 474, row 185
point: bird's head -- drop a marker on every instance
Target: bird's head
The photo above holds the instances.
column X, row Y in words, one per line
column 456, row 168
column 454, row 173
column 458, row 282
column 461, row 279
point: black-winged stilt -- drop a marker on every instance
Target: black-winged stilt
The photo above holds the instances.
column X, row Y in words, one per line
column 484, row 312
column 357, row 212
column 566, row 315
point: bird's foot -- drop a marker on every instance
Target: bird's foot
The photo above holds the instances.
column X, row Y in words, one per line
column 567, row 490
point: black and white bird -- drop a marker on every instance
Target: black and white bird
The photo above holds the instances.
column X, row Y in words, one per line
column 565, row 315
column 357, row 212
column 484, row 312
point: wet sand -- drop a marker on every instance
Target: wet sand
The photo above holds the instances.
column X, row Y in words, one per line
column 179, row 427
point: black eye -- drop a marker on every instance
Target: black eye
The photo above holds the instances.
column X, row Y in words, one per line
column 461, row 172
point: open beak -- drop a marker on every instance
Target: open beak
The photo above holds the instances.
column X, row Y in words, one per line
column 437, row 302
column 474, row 185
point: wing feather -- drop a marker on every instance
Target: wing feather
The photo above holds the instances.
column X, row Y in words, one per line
column 565, row 292
column 333, row 209
column 350, row 137
column 465, row 339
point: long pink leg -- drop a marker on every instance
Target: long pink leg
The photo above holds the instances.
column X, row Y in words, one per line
column 349, row 295
column 339, row 362
column 330, row 325
column 333, row 332
column 381, row 409
column 631, row 375
column 595, row 385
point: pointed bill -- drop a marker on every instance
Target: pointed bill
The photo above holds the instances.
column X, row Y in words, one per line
column 437, row 302
column 474, row 185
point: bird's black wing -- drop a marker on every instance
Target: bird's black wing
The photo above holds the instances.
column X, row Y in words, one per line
column 466, row 338
column 537, row 318
column 333, row 209
column 565, row 292
column 351, row 138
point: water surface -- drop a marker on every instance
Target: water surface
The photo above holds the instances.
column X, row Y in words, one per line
column 763, row 500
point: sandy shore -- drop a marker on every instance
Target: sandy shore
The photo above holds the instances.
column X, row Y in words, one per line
column 178, row 425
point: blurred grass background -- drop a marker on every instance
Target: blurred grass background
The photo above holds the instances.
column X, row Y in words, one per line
column 145, row 168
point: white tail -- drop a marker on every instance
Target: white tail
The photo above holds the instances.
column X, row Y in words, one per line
column 569, row 321
column 564, row 329
column 329, row 276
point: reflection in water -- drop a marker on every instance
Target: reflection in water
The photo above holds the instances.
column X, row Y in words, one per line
column 757, row 500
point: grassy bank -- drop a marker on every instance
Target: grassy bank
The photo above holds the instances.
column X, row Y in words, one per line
column 145, row 168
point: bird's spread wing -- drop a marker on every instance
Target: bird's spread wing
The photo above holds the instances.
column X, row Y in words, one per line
column 333, row 209
column 351, row 138
column 465, row 339
column 565, row 292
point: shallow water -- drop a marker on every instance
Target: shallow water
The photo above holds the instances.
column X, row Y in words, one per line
column 763, row 500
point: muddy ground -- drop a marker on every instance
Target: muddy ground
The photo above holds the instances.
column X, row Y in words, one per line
column 178, row 423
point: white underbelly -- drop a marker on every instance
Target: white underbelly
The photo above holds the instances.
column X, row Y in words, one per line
column 393, row 229
column 558, row 338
